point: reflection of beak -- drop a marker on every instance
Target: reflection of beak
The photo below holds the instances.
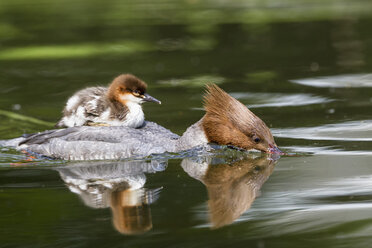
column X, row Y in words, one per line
column 275, row 150
column 146, row 97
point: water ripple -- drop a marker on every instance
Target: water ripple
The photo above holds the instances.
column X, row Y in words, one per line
column 325, row 150
column 262, row 100
column 340, row 187
column 196, row 81
column 312, row 194
column 340, row 81
column 346, row 131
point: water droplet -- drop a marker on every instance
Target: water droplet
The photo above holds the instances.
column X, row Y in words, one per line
column 331, row 111
column 314, row 66
column 16, row 107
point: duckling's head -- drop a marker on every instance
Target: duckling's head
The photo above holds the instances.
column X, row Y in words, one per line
column 228, row 122
column 127, row 88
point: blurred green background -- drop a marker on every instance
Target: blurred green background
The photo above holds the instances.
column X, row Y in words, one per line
column 50, row 49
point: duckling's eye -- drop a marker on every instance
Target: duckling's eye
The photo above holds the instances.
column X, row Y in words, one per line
column 136, row 92
column 257, row 140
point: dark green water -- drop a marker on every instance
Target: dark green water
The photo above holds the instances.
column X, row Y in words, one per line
column 303, row 66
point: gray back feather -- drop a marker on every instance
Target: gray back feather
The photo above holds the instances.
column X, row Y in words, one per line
column 90, row 143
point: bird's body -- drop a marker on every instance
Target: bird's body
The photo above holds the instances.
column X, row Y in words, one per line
column 226, row 122
column 101, row 143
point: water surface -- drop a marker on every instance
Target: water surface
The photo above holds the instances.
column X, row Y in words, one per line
column 303, row 66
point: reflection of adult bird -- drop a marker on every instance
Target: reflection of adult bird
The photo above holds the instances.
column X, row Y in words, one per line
column 232, row 187
column 131, row 210
column 118, row 185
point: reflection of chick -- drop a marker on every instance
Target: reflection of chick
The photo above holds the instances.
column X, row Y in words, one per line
column 232, row 188
column 118, row 185
column 131, row 212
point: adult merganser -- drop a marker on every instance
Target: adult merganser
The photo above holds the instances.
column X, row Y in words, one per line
column 117, row 105
column 226, row 122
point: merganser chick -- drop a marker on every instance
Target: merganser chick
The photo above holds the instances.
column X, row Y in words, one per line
column 226, row 122
column 117, row 105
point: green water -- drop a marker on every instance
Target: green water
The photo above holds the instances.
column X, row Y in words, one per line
column 302, row 66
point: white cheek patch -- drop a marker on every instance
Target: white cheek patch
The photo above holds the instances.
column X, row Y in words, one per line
column 135, row 117
column 131, row 98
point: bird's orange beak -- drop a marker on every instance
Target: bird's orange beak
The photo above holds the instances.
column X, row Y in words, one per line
column 273, row 149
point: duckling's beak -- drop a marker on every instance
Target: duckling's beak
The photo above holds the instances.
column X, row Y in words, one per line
column 273, row 149
column 146, row 97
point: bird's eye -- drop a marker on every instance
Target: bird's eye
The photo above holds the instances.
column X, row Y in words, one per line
column 136, row 92
column 257, row 140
